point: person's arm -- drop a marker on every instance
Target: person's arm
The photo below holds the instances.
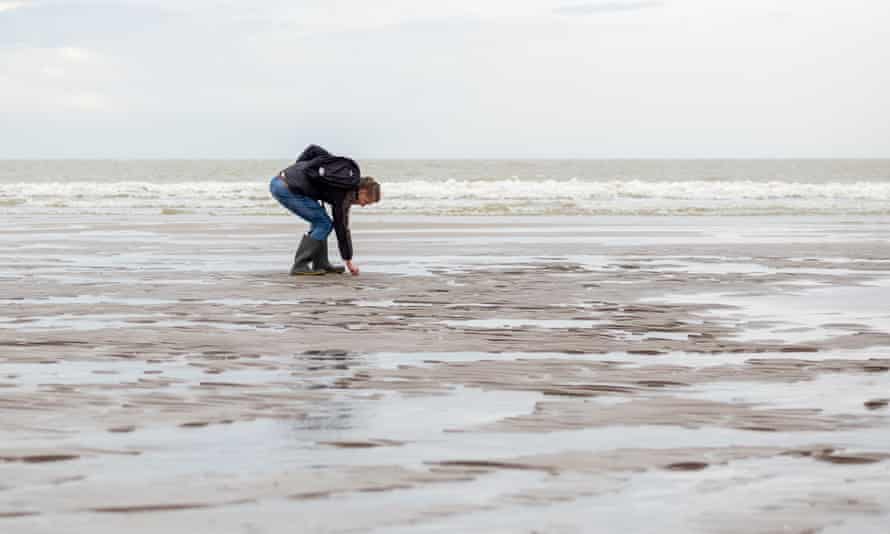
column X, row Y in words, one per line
column 341, row 229
column 312, row 152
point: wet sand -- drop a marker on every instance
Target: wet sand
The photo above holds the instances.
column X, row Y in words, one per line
column 488, row 374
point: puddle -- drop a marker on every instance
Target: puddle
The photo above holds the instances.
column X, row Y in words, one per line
column 754, row 495
column 412, row 418
column 842, row 393
column 388, row 304
column 439, row 265
column 89, row 373
column 92, row 299
column 179, row 373
column 783, row 334
column 800, row 283
column 723, row 267
column 496, row 324
column 428, row 428
column 117, row 280
column 654, row 334
column 119, row 321
column 807, row 315
column 392, row 360
column 248, row 302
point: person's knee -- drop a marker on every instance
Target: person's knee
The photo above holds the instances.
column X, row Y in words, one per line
column 275, row 189
column 321, row 229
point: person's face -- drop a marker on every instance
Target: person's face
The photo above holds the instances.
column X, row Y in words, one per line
column 364, row 198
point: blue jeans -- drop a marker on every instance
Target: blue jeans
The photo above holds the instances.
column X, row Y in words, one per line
column 304, row 207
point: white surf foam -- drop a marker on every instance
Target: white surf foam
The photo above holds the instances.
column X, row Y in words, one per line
column 468, row 197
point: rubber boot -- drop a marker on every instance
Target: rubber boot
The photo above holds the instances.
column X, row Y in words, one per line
column 305, row 252
column 322, row 263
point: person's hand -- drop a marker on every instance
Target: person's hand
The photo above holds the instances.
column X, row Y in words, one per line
column 353, row 268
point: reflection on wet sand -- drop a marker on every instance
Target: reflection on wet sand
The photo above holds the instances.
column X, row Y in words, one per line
column 152, row 369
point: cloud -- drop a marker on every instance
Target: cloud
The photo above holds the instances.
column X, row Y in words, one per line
column 9, row 5
column 464, row 78
column 605, row 7
column 57, row 80
column 58, row 24
column 72, row 53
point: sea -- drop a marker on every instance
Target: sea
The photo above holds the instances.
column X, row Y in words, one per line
column 461, row 187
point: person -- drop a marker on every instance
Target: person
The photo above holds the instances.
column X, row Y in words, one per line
column 301, row 190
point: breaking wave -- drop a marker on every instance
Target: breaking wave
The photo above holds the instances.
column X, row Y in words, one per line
column 466, row 197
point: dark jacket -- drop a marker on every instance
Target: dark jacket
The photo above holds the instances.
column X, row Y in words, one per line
column 339, row 199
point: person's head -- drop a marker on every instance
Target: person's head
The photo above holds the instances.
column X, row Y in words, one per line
column 368, row 191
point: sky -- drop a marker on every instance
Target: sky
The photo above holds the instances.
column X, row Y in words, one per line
column 456, row 79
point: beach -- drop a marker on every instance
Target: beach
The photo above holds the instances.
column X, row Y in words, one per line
column 610, row 267
column 485, row 373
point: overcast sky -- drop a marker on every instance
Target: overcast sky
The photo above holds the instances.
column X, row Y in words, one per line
column 462, row 78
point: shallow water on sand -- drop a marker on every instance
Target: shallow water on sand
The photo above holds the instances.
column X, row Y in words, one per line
column 482, row 375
